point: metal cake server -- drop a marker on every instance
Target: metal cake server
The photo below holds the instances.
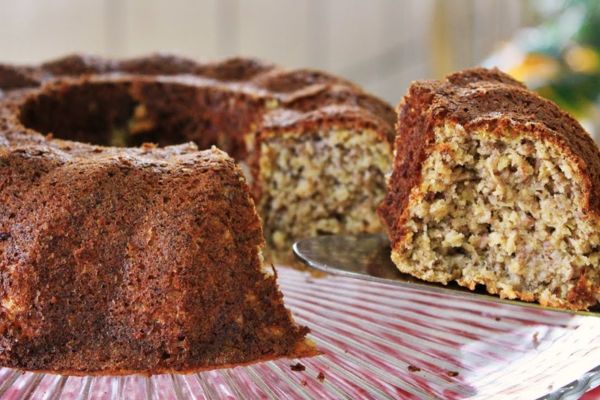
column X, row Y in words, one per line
column 367, row 257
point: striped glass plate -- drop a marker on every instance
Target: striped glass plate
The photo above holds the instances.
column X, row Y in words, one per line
column 379, row 341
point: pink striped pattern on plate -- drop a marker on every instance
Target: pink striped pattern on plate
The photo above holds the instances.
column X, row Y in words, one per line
column 379, row 342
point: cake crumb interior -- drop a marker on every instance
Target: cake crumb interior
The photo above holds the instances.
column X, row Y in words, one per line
column 325, row 182
column 499, row 210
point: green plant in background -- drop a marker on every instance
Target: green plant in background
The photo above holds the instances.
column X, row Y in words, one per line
column 562, row 56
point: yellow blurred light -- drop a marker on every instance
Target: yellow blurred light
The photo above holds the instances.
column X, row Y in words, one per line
column 582, row 59
column 535, row 66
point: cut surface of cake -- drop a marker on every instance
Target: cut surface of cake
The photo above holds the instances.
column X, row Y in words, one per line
column 324, row 178
column 309, row 138
column 493, row 185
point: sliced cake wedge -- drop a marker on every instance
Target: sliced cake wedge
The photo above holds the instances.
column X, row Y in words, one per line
column 493, row 185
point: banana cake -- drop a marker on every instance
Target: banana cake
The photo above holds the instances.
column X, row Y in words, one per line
column 493, row 185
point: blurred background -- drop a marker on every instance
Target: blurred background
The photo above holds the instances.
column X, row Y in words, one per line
column 381, row 44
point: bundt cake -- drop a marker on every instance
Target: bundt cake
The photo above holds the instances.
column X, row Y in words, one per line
column 118, row 255
column 309, row 139
column 493, row 185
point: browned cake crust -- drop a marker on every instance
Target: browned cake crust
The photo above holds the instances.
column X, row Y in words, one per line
column 488, row 100
column 236, row 96
column 143, row 260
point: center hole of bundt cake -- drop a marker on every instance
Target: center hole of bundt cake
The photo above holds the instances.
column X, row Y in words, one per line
column 106, row 114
